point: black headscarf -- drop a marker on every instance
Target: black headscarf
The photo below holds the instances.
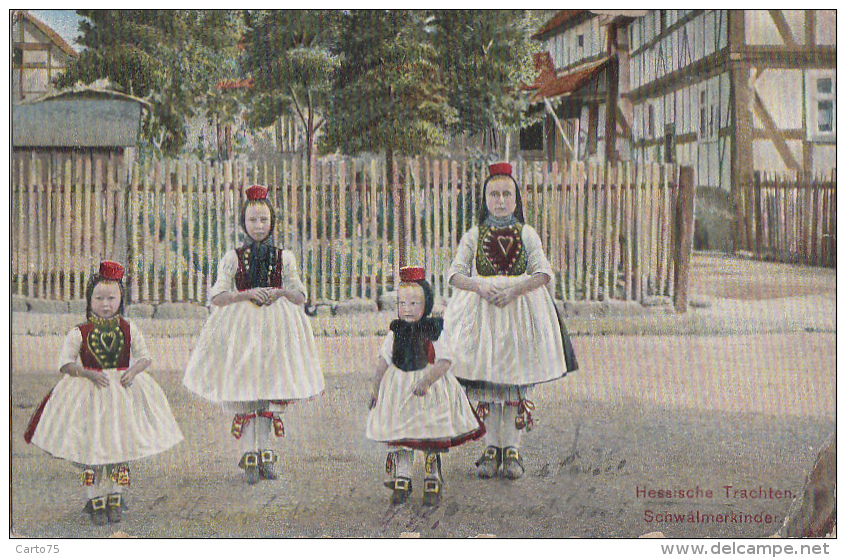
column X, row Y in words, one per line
column 409, row 351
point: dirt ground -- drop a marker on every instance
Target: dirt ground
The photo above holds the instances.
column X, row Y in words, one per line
column 645, row 412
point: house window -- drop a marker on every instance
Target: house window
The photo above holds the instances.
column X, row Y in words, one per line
column 708, row 126
column 17, row 57
column 670, row 143
column 531, row 138
column 581, row 41
column 821, row 105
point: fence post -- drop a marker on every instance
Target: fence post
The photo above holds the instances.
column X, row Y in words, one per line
column 683, row 236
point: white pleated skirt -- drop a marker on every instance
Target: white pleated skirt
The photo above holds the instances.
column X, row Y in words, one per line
column 94, row 425
column 441, row 419
column 520, row 344
column 251, row 353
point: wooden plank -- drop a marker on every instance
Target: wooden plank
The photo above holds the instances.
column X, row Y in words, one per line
column 669, row 208
column 346, row 205
column 637, row 237
column 607, row 186
column 17, row 220
column 50, row 233
column 684, row 243
column 579, row 189
column 418, row 195
column 178, row 264
column 614, row 228
column 572, row 188
column 590, row 234
column 454, row 197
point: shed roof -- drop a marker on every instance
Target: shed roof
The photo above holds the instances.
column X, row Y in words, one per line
column 78, row 119
column 549, row 85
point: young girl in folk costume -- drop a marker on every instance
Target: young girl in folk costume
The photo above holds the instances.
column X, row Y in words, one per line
column 105, row 411
column 256, row 353
column 415, row 402
column 505, row 333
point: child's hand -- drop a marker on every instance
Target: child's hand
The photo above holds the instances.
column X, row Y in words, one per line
column 421, row 388
column 128, row 376
column 374, row 396
column 504, row 297
column 257, row 295
column 487, row 291
column 97, row 377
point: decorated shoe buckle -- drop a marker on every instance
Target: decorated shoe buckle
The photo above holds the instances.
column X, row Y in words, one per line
column 114, row 500
column 431, row 485
column 268, row 456
column 88, row 477
column 98, row 504
column 524, row 415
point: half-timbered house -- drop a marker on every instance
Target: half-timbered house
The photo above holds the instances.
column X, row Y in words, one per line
column 583, row 72
column 39, row 54
column 731, row 92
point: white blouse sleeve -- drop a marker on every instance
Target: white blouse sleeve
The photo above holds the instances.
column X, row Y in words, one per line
column 291, row 273
column 70, row 347
column 463, row 263
column 387, row 349
column 443, row 348
column 138, row 345
column 536, row 260
column 226, row 270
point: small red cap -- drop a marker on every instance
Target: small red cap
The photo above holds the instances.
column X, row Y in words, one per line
column 256, row 193
column 500, row 168
column 111, row 270
column 412, row 274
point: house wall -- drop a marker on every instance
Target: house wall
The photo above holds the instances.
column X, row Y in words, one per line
column 37, row 60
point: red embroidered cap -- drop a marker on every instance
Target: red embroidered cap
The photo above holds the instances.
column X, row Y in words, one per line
column 500, row 168
column 256, row 193
column 411, row 274
column 111, row 270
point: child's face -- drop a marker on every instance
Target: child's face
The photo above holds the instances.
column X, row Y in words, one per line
column 105, row 299
column 257, row 221
column 411, row 303
column 501, row 197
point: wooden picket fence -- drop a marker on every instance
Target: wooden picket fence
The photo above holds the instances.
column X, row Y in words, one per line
column 608, row 230
column 791, row 219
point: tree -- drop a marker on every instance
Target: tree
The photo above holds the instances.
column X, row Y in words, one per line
column 486, row 57
column 171, row 58
column 389, row 94
column 291, row 64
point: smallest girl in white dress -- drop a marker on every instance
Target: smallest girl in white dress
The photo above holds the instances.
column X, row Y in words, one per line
column 105, row 411
column 415, row 402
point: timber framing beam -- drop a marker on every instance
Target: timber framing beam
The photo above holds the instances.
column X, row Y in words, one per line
column 774, row 135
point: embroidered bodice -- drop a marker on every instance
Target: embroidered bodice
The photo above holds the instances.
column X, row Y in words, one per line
column 500, row 251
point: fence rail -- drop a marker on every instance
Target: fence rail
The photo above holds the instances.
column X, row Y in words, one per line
column 608, row 230
column 791, row 219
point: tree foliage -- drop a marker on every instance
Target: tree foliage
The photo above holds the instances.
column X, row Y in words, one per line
column 485, row 57
column 290, row 61
column 388, row 91
column 171, row 58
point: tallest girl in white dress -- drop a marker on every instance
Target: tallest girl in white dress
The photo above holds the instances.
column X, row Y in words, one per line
column 256, row 353
column 501, row 322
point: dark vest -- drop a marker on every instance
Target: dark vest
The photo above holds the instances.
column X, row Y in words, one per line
column 271, row 277
column 500, row 251
column 105, row 344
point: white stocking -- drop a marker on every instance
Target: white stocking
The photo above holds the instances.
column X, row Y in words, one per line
column 405, row 460
column 508, row 433
column 492, row 425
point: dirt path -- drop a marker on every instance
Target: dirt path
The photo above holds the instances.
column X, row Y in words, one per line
column 746, row 411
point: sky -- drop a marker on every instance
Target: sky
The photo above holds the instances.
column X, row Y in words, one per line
column 63, row 22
